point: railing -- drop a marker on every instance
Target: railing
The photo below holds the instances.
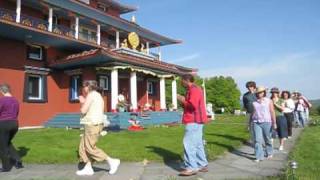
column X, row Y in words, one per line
column 87, row 37
column 7, row 15
column 63, row 30
column 43, row 25
column 34, row 22
column 108, row 43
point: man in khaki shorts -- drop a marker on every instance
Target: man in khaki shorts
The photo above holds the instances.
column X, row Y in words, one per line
column 92, row 110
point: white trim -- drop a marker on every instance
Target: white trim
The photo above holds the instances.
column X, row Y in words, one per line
column 174, row 93
column 76, row 28
column 36, row 70
column 114, row 89
column 41, row 52
column 133, row 90
column 40, row 97
column 50, row 19
column 117, row 40
column 98, row 34
column 106, row 81
column 162, row 94
column 31, row 127
column 18, row 11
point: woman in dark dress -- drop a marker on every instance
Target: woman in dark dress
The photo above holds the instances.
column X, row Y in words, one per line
column 9, row 110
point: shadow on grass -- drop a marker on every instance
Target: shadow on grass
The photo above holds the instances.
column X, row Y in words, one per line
column 170, row 158
column 233, row 138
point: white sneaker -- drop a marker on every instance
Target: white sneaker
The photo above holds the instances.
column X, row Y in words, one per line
column 281, row 148
column 86, row 171
column 114, row 164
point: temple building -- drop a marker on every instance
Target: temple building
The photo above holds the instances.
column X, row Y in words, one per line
column 49, row 47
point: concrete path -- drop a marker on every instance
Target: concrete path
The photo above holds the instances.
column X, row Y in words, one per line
column 233, row 165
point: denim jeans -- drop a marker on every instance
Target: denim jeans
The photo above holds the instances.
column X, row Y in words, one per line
column 262, row 133
column 301, row 118
column 194, row 154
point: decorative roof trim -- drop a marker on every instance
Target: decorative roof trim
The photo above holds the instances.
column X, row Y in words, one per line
column 73, row 72
column 36, row 70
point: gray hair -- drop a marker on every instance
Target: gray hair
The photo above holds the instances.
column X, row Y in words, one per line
column 92, row 84
column 5, row 88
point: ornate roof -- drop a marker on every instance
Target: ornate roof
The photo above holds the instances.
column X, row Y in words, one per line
column 101, row 56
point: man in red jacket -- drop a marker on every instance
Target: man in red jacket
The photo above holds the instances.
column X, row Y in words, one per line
column 194, row 117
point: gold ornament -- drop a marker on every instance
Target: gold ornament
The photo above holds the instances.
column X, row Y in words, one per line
column 134, row 40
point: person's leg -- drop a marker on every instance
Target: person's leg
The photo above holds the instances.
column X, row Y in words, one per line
column 301, row 118
column 258, row 141
column 290, row 119
column 267, row 129
column 12, row 150
column 4, row 149
column 190, row 147
column 201, row 155
column 91, row 137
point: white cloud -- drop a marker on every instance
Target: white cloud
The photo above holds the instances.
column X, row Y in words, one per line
column 186, row 58
column 298, row 71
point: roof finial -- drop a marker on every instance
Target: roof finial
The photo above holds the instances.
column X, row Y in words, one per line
column 133, row 19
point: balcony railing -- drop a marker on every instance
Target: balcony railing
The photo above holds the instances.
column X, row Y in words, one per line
column 63, row 30
column 41, row 24
column 7, row 15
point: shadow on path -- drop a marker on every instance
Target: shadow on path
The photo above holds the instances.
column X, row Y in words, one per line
column 22, row 151
column 170, row 158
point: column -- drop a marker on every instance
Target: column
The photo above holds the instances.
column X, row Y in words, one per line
column 76, row 35
column 148, row 47
column 98, row 34
column 114, row 90
column 50, row 19
column 133, row 91
column 18, row 11
column 117, row 40
column 162, row 94
column 174, row 94
column 159, row 53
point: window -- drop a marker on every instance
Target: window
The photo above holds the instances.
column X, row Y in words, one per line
column 35, row 88
column 150, row 87
column 34, row 52
column 75, row 87
column 104, row 82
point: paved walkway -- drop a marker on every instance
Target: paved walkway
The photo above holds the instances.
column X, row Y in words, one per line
column 234, row 165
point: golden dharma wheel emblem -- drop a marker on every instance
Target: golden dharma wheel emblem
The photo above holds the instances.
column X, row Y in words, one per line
column 134, row 40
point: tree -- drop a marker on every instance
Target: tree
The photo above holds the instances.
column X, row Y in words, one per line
column 220, row 91
column 223, row 92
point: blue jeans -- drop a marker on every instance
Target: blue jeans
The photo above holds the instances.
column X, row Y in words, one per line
column 194, row 154
column 262, row 134
column 301, row 118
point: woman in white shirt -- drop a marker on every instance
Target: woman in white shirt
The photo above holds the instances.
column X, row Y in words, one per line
column 92, row 110
column 288, row 110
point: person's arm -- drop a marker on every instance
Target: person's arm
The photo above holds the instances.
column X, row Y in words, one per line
column 193, row 99
column 85, row 106
column 1, row 106
column 307, row 102
column 245, row 102
column 279, row 107
column 273, row 115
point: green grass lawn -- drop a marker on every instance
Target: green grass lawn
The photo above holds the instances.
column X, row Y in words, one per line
column 307, row 153
column 153, row 144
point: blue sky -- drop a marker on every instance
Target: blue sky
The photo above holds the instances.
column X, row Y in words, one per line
column 274, row 42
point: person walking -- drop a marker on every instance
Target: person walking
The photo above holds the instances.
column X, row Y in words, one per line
column 303, row 106
column 288, row 110
column 92, row 110
column 279, row 107
column 9, row 110
column 264, row 120
column 248, row 99
column 194, row 117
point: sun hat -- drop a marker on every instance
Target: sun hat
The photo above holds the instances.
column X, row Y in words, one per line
column 260, row 89
column 275, row 90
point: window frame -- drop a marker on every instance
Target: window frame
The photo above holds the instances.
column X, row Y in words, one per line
column 106, row 81
column 35, row 46
column 76, row 89
column 150, row 89
column 43, row 89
